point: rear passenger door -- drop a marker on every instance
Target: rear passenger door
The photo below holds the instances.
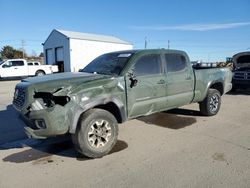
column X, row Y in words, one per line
column 149, row 95
column 180, row 80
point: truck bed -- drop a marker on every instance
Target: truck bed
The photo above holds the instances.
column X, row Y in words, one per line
column 210, row 76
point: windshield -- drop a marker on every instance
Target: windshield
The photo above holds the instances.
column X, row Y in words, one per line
column 243, row 59
column 1, row 62
column 109, row 64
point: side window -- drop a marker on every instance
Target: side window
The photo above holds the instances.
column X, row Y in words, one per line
column 30, row 64
column 36, row 63
column 175, row 62
column 17, row 63
column 147, row 65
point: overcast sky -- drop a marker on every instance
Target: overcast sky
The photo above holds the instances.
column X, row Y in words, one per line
column 208, row 30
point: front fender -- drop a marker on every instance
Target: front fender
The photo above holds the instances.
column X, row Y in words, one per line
column 78, row 110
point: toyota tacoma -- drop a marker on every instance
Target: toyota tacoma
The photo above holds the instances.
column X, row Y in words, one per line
column 112, row 89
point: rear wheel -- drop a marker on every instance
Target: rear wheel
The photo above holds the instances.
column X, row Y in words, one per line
column 96, row 133
column 211, row 104
column 40, row 73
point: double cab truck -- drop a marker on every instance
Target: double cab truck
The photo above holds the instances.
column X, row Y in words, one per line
column 112, row 89
column 21, row 68
column 241, row 71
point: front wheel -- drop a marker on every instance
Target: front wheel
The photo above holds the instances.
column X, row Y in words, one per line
column 211, row 104
column 96, row 133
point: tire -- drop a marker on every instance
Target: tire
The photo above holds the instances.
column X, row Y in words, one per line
column 40, row 73
column 96, row 133
column 210, row 106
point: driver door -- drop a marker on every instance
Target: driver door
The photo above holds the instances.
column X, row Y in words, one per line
column 148, row 95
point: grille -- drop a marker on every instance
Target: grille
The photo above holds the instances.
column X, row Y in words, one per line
column 242, row 75
column 19, row 97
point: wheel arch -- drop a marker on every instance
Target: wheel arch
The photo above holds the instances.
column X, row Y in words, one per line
column 40, row 70
column 218, row 86
column 112, row 105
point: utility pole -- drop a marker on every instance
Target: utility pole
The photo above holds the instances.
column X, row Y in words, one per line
column 23, row 44
column 168, row 44
column 146, row 43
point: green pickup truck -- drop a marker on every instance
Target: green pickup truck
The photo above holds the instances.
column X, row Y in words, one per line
column 112, row 89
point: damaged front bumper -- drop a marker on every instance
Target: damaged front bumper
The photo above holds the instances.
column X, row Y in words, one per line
column 46, row 122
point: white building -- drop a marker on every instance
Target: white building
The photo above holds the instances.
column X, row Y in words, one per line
column 72, row 51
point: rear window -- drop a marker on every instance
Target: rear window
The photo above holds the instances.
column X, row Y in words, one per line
column 175, row 62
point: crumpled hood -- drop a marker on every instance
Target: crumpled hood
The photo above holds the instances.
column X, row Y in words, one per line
column 76, row 85
column 51, row 83
column 64, row 77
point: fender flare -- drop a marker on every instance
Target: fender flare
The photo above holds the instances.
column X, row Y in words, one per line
column 218, row 81
column 102, row 101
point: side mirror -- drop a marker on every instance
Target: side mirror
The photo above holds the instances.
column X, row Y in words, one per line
column 132, row 78
column 133, row 82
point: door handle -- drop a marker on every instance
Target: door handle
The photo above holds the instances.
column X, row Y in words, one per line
column 188, row 78
column 161, row 82
column 15, row 68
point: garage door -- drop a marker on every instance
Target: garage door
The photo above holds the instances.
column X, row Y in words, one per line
column 49, row 56
column 59, row 54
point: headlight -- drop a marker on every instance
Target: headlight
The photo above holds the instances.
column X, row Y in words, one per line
column 37, row 105
column 40, row 123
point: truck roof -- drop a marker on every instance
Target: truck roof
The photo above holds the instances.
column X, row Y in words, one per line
column 150, row 50
column 14, row 59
